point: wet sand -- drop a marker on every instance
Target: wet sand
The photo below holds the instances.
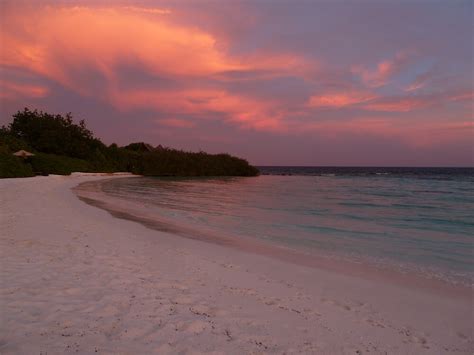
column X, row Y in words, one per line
column 76, row 279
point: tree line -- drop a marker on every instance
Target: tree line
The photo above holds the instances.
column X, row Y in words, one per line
column 62, row 146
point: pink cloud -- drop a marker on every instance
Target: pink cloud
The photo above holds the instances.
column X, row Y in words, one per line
column 420, row 134
column 340, row 99
column 148, row 10
column 53, row 46
column 464, row 95
column 364, row 100
column 398, row 104
column 414, row 102
column 211, row 82
column 11, row 90
column 419, row 82
column 384, row 70
column 243, row 111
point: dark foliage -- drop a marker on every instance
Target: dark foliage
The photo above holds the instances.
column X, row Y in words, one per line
column 11, row 166
column 11, row 143
column 61, row 147
column 140, row 147
column 54, row 134
column 58, row 164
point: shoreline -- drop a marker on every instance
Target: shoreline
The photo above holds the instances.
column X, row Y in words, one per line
column 76, row 279
column 90, row 193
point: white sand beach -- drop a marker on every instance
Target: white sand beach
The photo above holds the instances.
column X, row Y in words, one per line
column 75, row 279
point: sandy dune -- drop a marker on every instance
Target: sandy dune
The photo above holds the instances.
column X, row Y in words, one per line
column 74, row 279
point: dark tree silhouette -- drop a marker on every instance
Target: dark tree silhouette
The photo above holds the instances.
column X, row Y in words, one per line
column 61, row 147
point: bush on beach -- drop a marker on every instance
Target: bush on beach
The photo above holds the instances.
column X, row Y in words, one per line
column 58, row 164
column 12, row 166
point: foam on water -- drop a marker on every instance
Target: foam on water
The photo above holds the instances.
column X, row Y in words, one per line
column 409, row 221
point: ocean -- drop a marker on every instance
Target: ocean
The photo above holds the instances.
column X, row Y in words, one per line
column 417, row 220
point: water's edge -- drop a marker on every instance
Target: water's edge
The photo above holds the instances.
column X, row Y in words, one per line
column 92, row 194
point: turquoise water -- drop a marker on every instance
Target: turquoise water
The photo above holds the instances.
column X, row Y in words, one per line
column 412, row 223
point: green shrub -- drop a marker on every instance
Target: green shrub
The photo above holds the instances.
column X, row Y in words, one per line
column 58, row 164
column 171, row 162
column 12, row 166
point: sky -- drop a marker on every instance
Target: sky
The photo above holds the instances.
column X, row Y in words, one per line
column 354, row 83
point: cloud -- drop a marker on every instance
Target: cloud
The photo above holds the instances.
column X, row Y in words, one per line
column 59, row 42
column 368, row 101
column 420, row 82
column 255, row 72
column 384, row 70
column 398, row 104
column 422, row 134
column 240, row 110
column 462, row 96
column 148, row 10
column 339, row 100
column 12, row 90
column 59, row 47
column 408, row 103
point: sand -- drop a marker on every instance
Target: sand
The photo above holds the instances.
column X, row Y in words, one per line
column 75, row 279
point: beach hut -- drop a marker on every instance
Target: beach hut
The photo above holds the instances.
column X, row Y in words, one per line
column 23, row 154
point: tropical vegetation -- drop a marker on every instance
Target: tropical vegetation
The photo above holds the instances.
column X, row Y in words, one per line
column 61, row 146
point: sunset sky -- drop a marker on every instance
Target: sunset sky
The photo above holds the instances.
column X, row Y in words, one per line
column 276, row 82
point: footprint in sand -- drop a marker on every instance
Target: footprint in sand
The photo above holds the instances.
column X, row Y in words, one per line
column 414, row 338
column 230, row 266
column 462, row 336
column 374, row 323
column 202, row 310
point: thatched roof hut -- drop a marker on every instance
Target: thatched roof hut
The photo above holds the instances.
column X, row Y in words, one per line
column 23, row 154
